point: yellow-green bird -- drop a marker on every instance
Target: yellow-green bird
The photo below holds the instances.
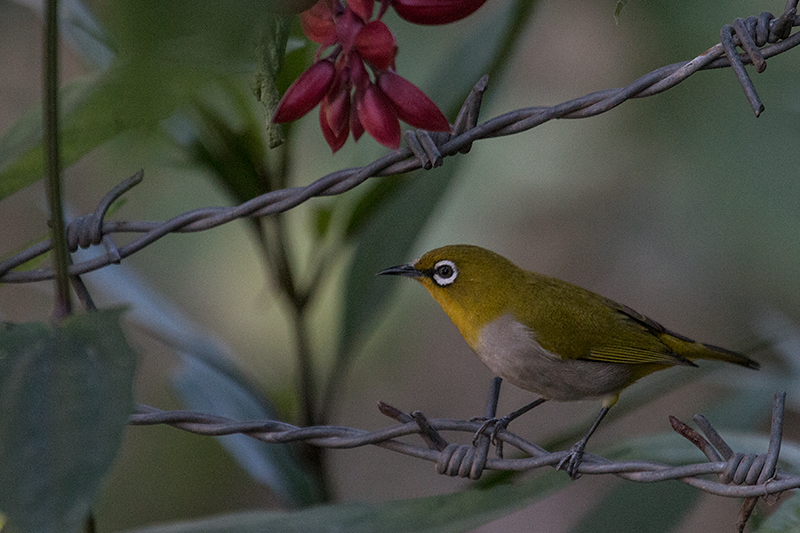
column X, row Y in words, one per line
column 549, row 336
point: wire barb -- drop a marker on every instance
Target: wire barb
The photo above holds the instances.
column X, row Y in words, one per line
column 432, row 437
column 726, row 37
column 468, row 115
column 87, row 230
column 740, row 468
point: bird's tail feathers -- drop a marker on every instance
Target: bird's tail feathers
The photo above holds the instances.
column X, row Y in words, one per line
column 721, row 354
column 691, row 350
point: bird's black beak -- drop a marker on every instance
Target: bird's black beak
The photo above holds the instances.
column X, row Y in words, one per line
column 402, row 270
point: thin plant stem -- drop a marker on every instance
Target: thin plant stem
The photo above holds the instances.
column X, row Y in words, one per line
column 275, row 249
column 315, row 455
column 63, row 304
column 277, row 253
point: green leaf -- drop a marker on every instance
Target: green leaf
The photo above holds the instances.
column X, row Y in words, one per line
column 271, row 51
column 65, row 398
column 205, row 388
column 231, row 147
column 651, row 507
column 461, row 511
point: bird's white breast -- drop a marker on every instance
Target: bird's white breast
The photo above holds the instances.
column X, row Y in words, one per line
column 511, row 351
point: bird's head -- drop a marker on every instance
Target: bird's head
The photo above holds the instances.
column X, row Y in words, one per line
column 473, row 285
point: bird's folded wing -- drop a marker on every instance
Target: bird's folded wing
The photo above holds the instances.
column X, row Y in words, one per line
column 635, row 356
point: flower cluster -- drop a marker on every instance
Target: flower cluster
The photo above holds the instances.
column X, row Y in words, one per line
column 356, row 85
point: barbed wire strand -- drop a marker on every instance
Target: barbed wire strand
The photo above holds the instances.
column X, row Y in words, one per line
column 740, row 475
column 760, row 37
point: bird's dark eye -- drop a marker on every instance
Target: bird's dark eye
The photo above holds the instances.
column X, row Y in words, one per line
column 444, row 273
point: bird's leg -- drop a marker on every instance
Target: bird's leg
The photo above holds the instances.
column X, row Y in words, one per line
column 498, row 424
column 575, row 456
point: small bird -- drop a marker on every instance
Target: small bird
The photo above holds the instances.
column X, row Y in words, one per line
column 548, row 336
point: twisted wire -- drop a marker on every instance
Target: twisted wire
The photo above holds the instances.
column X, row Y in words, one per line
column 740, row 475
column 760, row 37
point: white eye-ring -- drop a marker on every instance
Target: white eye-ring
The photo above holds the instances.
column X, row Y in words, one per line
column 444, row 273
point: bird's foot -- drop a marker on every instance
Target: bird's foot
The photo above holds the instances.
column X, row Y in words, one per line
column 572, row 461
column 497, row 425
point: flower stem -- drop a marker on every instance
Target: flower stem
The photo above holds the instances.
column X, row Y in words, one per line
column 63, row 304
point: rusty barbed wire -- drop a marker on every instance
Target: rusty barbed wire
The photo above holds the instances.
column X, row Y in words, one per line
column 740, row 475
column 760, row 37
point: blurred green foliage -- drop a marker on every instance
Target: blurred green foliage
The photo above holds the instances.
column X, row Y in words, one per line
column 65, row 397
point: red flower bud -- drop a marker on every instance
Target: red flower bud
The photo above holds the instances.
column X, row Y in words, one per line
column 377, row 115
column 318, row 24
column 347, row 27
column 362, row 8
column 335, row 140
column 375, row 43
column 411, row 104
column 305, row 93
column 337, row 110
column 358, row 74
column 435, row 11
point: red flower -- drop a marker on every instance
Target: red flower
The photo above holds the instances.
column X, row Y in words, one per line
column 355, row 85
